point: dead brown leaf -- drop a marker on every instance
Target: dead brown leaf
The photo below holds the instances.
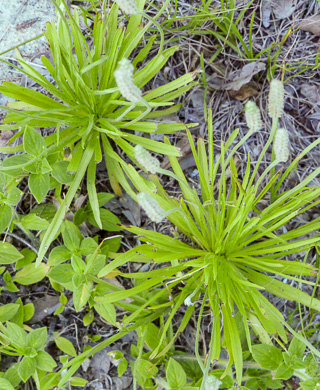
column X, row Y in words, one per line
column 237, row 79
column 282, row 9
column 266, row 7
column 245, row 92
column 44, row 307
column 5, row 137
column 184, row 148
column 311, row 24
column 311, row 92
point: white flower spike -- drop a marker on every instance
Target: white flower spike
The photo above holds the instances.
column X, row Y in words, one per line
column 276, row 99
column 124, row 80
column 128, row 6
column 212, row 383
column 144, row 158
column 151, row 207
column 253, row 117
column 281, row 145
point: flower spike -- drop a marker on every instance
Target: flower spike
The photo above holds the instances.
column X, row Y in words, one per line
column 253, row 117
column 144, row 158
column 124, row 80
column 281, row 145
column 128, row 6
column 276, row 99
column 151, row 207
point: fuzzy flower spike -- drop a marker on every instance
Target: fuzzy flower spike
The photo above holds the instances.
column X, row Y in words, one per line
column 276, row 99
column 128, row 6
column 144, row 158
column 124, row 80
column 281, row 145
column 253, row 117
column 151, row 207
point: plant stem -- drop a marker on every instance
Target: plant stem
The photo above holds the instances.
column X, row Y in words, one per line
column 54, row 227
column 220, row 362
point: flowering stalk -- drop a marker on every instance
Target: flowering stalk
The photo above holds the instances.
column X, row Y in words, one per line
column 124, row 80
column 276, row 99
column 151, row 207
column 128, row 89
column 254, row 122
column 253, row 116
column 281, row 145
column 144, row 158
column 128, row 6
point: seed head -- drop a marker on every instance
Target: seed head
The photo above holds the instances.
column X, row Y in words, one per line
column 144, row 158
column 151, row 207
column 212, row 383
column 281, row 145
column 276, row 99
column 124, row 80
column 253, row 116
column 128, row 6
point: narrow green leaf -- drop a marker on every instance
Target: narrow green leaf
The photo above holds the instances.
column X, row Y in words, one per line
column 92, row 192
column 59, row 216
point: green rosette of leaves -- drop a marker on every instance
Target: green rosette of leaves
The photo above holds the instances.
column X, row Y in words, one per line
column 229, row 246
column 84, row 106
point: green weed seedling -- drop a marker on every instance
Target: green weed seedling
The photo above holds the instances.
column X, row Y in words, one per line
column 16, row 312
column 45, row 167
column 25, row 270
column 79, row 275
column 34, row 361
column 228, row 245
column 85, row 106
column 10, row 196
column 30, row 346
column 265, row 368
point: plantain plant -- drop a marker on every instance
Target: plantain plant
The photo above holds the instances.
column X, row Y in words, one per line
column 229, row 244
column 83, row 104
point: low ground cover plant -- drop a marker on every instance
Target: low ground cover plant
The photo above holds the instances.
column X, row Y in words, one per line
column 223, row 250
column 86, row 107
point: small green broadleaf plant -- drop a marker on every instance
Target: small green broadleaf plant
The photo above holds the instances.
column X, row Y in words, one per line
column 87, row 103
column 26, row 271
column 9, row 197
column 282, row 365
column 230, row 245
column 119, row 361
column 16, row 312
column 30, row 346
column 109, row 221
column 80, row 275
column 45, row 167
